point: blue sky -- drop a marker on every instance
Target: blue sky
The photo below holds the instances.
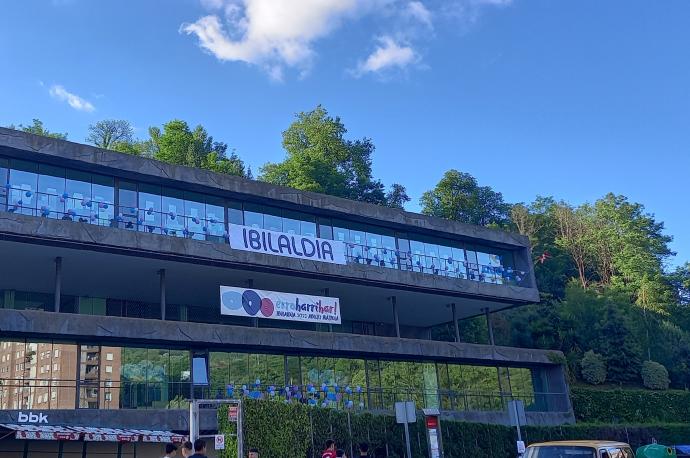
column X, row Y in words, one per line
column 566, row 98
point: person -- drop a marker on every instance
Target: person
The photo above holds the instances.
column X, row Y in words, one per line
column 363, row 449
column 199, row 449
column 329, row 451
column 187, row 449
column 253, row 453
column 170, row 450
column 340, row 453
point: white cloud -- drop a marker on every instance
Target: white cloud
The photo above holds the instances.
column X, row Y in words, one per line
column 270, row 33
column 60, row 93
column 418, row 11
column 388, row 54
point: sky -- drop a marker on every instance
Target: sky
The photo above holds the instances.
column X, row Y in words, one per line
column 570, row 98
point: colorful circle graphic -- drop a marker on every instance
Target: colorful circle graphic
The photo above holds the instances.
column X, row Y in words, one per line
column 266, row 307
column 251, row 302
column 232, row 300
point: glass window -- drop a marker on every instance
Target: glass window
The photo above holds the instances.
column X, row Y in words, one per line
column 308, row 228
column 445, row 254
column 357, row 244
column 215, row 216
column 103, row 195
column 272, row 220
column 458, row 265
column 195, row 216
column 173, row 212
column 418, row 256
column 253, row 219
column 341, row 234
column 76, row 197
column 23, row 185
column 325, row 229
column 235, row 213
column 128, row 210
column 291, row 226
column 432, row 258
column 51, row 188
column 150, row 209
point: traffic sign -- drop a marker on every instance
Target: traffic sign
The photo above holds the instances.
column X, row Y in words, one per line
column 220, row 442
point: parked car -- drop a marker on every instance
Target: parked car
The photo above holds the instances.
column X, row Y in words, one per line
column 579, row 449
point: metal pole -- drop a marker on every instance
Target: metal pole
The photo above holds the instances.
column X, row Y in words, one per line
column 395, row 316
column 240, row 436
column 58, row 282
column 455, row 322
column 517, row 422
column 162, row 292
column 407, row 435
column 490, row 327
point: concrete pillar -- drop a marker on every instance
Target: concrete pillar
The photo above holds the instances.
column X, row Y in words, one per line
column 58, row 283
column 161, row 273
column 489, row 327
column 456, row 327
column 395, row 316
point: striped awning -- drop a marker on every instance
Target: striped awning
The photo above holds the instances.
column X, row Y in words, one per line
column 87, row 433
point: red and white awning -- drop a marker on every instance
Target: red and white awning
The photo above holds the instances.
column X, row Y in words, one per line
column 90, row 434
column 54, row 433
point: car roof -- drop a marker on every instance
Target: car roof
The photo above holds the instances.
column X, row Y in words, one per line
column 583, row 443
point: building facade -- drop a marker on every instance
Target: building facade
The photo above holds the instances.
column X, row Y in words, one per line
column 129, row 286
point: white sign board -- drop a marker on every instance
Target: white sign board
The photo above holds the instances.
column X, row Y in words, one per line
column 258, row 240
column 405, row 412
column 275, row 305
column 521, row 447
column 220, row 442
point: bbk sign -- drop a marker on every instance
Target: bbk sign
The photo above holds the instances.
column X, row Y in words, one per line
column 32, row 417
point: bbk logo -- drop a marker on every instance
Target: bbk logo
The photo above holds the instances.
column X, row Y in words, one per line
column 32, row 418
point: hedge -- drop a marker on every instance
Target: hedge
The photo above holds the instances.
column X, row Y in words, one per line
column 631, row 406
column 281, row 430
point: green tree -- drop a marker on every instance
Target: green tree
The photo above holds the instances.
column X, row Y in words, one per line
column 37, row 128
column 176, row 143
column 459, row 197
column 320, row 159
column 110, row 132
column 618, row 345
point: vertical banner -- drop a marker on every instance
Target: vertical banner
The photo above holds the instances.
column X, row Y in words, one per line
column 247, row 238
column 279, row 306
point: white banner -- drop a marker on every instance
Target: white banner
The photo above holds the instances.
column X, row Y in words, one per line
column 279, row 306
column 291, row 245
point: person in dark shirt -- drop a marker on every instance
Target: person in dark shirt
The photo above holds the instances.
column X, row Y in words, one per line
column 199, row 449
column 363, row 449
column 340, row 453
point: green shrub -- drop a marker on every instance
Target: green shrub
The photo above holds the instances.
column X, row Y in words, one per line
column 298, row 431
column 630, row 406
column 593, row 368
column 654, row 376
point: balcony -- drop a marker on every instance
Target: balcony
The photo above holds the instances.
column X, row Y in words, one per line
column 450, row 264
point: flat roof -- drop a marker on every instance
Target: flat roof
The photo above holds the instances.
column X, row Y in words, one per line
column 64, row 153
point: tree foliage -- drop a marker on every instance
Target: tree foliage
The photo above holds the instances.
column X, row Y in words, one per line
column 320, row 159
column 111, row 132
column 593, row 368
column 36, row 127
column 459, row 197
column 654, row 376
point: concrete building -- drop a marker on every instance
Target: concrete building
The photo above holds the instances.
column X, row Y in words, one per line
column 145, row 284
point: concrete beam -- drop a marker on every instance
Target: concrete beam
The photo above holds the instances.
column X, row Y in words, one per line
column 107, row 330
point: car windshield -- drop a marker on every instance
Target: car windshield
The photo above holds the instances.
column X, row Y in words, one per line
column 554, row 451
